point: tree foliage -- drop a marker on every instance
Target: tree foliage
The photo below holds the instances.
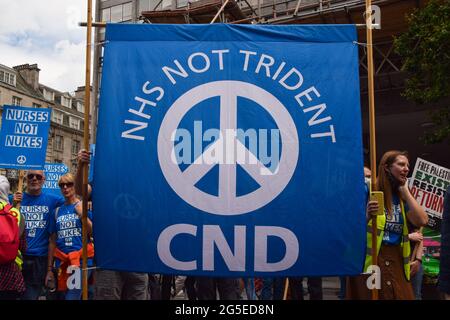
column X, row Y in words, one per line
column 425, row 48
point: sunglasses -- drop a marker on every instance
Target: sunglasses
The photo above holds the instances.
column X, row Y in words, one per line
column 31, row 176
column 64, row 185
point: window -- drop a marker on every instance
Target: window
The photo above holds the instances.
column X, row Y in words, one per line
column 80, row 106
column 66, row 102
column 106, row 15
column 166, row 4
column 144, row 5
column 119, row 13
column 36, row 105
column 66, row 120
column 8, row 77
column 59, row 143
column 16, row 101
column 149, row 5
column 48, row 95
column 74, row 123
column 182, row 3
column 57, row 117
column 75, row 146
column 116, row 13
column 126, row 12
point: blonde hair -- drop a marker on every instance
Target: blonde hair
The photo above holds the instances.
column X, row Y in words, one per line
column 68, row 177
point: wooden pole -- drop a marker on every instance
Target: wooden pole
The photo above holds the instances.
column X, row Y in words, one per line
column 219, row 12
column 87, row 101
column 373, row 150
column 20, row 185
column 286, row 288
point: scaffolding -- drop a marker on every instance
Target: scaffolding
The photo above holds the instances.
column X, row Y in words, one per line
column 278, row 11
column 387, row 64
column 202, row 11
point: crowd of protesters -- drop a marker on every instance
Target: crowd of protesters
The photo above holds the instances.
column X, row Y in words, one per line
column 47, row 232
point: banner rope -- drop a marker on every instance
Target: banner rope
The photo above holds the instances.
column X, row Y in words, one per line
column 90, row 268
column 363, row 44
column 98, row 43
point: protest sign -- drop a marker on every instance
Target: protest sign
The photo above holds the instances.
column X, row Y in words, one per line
column 53, row 171
column 428, row 184
column 23, row 137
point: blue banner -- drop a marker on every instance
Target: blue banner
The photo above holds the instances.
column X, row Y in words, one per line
column 53, row 171
column 230, row 150
column 23, row 138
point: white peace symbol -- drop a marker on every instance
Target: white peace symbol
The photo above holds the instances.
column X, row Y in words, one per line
column 227, row 203
column 21, row 159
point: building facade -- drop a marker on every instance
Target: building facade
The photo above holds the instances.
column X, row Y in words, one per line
column 20, row 86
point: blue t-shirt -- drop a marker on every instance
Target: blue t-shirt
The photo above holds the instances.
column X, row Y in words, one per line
column 393, row 231
column 68, row 229
column 39, row 220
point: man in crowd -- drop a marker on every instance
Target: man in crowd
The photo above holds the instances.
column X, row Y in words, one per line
column 38, row 210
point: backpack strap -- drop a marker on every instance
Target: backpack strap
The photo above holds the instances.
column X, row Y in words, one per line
column 7, row 208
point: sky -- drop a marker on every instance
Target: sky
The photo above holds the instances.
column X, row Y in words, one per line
column 46, row 32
